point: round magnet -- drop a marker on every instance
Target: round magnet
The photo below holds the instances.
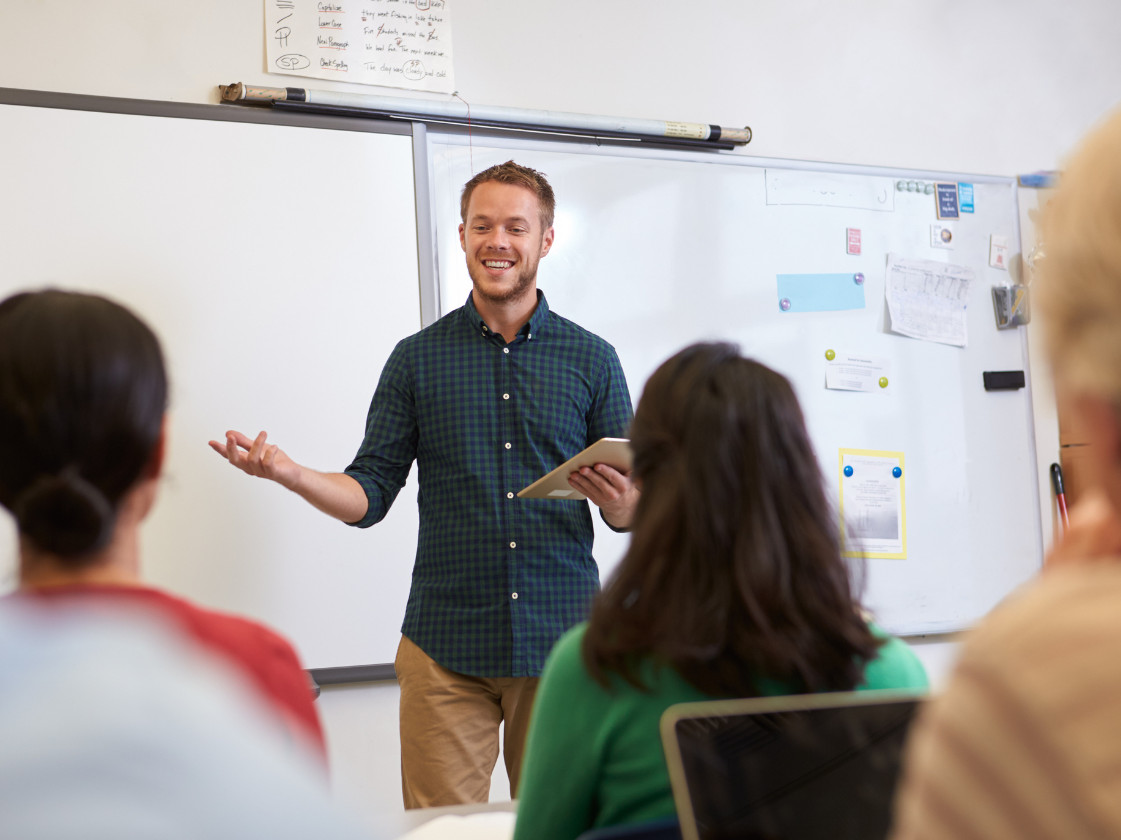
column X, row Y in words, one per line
column 848, row 471
column 883, row 381
column 901, row 186
column 928, row 189
column 830, row 355
column 896, row 472
column 858, row 278
column 784, row 304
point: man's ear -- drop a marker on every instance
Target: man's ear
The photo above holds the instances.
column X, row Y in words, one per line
column 462, row 238
column 547, row 241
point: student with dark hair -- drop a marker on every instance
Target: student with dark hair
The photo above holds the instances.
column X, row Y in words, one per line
column 83, row 398
column 733, row 586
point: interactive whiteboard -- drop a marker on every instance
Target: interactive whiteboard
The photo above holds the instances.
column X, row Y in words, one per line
column 655, row 250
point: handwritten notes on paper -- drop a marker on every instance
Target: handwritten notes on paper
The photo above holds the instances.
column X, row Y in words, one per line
column 927, row 300
column 396, row 43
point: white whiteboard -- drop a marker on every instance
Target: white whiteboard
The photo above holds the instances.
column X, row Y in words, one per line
column 655, row 250
column 278, row 264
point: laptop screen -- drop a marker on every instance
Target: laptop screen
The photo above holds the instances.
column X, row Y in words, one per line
column 788, row 768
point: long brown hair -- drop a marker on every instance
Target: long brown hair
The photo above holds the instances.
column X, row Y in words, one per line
column 734, row 572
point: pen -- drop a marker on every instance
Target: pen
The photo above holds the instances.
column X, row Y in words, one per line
column 1057, row 481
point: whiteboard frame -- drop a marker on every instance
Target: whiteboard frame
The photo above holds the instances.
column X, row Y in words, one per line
column 514, row 141
column 33, row 99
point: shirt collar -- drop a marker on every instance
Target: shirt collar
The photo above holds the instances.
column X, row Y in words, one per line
column 532, row 326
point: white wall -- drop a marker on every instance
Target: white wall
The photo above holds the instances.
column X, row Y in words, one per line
column 985, row 86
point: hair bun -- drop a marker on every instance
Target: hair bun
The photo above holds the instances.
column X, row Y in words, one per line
column 64, row 514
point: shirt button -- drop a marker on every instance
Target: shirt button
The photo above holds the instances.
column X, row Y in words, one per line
column 514, row 596
column 509, row 495
column 506, row 350
column 513, row 544
column 507, row 446
column 505, row 396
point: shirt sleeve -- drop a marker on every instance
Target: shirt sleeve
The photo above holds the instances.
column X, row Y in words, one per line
column 611, row 410
column 556, row 797
column 389, row 447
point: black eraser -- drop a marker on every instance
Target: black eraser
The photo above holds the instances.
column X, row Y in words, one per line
column 1003, row 380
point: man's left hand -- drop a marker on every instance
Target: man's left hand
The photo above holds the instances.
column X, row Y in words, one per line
column 612, row 490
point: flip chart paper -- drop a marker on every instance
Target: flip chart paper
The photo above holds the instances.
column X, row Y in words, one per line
column 372, row 42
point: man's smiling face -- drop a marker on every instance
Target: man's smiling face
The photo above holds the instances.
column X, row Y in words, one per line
column 504, row 240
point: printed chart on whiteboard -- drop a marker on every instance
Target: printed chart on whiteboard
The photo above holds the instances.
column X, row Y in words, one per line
column 394, row 43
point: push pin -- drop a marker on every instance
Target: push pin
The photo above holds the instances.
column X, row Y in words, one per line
column 784, row 304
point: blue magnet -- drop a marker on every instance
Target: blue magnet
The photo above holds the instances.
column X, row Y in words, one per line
column 784, row 304
column 896, row 472
column 858, row 278
column 848, row 471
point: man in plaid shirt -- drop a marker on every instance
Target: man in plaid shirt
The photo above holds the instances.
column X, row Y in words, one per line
column 486, row 400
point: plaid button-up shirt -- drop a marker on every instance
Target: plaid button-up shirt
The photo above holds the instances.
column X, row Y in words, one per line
column 497, row 579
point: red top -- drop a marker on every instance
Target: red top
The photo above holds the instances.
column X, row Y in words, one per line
column 266, row 658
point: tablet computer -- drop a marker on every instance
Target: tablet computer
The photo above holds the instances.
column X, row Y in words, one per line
column 615, row 452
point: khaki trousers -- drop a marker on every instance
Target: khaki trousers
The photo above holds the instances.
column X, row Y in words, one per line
column 449, row 729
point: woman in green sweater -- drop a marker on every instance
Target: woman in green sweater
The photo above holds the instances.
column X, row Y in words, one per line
column 733, row 586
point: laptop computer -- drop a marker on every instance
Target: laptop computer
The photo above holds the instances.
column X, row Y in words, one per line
column 788, row 768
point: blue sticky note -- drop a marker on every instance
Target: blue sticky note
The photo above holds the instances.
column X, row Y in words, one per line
column 965, row 197
column 947, row 200
column 819, row 292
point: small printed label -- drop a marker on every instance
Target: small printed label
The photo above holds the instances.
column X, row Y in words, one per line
column 846, row 372
column 853, row 235
column 941, row 236
column 692, row 131
column 965, row 197
column 947, row 195
column 998, row 252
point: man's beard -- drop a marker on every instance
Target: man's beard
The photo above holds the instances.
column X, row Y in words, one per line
column 524, row 281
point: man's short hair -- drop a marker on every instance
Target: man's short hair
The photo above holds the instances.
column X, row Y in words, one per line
column 520, row 176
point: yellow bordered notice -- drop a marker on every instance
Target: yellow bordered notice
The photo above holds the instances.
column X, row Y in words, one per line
column 873, row 503
column 615, row 452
